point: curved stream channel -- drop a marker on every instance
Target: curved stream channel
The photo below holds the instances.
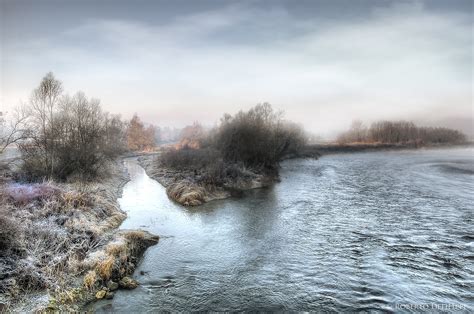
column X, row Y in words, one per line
column 345, row 232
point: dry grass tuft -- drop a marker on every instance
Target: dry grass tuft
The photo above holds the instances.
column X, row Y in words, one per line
column 105, row 267
column 134, row 235
column 64, row 296
column 186, row 193
column 90, row 280
column 114, row 221
column 73, row 199
column 116, row 249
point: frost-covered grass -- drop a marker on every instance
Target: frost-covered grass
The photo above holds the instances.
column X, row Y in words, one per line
column 22, row 194
column 47, row 230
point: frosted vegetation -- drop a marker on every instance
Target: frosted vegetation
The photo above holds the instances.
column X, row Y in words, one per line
column 47, row 230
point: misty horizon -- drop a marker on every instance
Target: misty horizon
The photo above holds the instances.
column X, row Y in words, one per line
column 324, row 64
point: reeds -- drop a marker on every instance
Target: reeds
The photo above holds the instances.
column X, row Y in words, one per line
column 186, row 193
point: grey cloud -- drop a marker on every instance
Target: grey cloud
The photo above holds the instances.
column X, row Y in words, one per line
column 394, row 60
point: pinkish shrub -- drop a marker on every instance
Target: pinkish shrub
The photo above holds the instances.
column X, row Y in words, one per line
column 24, row 193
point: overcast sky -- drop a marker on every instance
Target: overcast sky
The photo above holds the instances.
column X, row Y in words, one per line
column 325, row 63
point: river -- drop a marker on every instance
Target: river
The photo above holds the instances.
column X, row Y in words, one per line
column 367, row 231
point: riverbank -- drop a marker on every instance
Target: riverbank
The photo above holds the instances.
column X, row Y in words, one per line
column 184, row 187
column 61, row 247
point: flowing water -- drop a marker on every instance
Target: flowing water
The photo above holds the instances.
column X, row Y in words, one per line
column 346, row 232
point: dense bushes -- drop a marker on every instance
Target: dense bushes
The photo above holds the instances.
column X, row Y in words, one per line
column 242, row 152
column 68, row 136
column 399, row 132
column 188, row 158
column 258, row 139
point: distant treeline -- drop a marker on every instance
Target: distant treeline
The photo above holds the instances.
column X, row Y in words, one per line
column 399, row 132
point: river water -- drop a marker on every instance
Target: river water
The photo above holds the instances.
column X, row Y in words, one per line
column 367, row 231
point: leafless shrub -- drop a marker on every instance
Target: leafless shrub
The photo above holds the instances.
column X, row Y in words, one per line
column 219, row 173
column 258, row 138
column 68, row 136
column 13, row 128
column 188, row 158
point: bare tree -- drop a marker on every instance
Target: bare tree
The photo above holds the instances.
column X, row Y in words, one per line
column 69, row 137
column 12, row 129
column 44, row 99
column 258, row 138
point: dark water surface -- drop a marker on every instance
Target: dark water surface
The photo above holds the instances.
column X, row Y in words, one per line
column 347, row 232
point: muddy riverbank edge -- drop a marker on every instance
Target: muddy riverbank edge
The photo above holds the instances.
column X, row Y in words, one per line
column 181, row 187
column 103, row 268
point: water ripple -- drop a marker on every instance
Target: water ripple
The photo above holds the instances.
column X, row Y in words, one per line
column 346, row 233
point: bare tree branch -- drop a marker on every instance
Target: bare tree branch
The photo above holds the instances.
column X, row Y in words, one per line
column 13, row 129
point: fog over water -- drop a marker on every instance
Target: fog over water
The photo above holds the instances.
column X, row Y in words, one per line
column 324, row 63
